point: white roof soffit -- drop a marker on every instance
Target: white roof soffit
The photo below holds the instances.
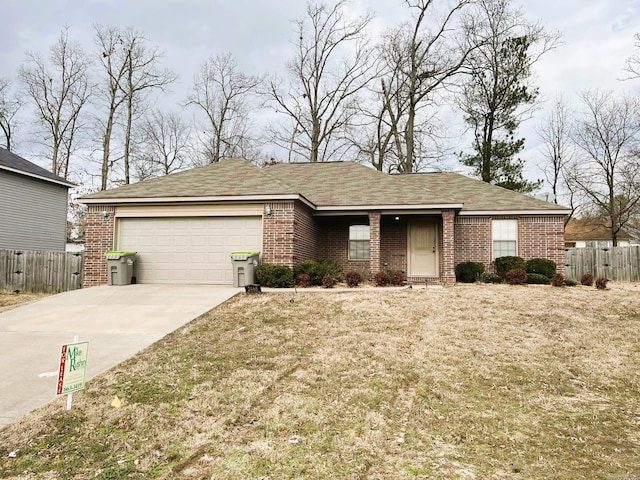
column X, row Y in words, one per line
column 390, row 209
column 214, row 199
column 487, row 213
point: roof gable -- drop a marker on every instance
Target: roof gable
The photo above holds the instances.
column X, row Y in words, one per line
column 11, row 162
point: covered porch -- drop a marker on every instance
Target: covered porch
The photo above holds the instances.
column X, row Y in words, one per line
column 418, row 244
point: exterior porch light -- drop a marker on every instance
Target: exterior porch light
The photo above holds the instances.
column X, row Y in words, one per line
column 105, row 214
column 397, row 219
column 267, row 210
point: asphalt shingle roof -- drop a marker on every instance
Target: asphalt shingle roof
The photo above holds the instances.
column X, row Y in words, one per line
column 13, row 162
column 329, row 184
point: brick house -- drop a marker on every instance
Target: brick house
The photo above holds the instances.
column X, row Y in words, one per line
column 185, row 225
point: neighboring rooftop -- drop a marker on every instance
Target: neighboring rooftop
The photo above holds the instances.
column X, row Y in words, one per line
column 591, row 229
column 11, row 162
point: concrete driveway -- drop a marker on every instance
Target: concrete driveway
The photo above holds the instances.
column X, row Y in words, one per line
column 118, row 322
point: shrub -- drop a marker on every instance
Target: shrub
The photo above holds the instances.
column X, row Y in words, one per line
column 558, row 280
column 303, row 280
column 601, row 283
column 537, row 279
column 273, row 275
column 318, row 269
column 469, row 272
column 516, row 276
column 382, row 279
column 504, row 264
column 396, row 277
column 489, row 277
column 331, row 267
column 587, row 280
column 541, row 266
column 353, row 278
column 328, row 281
column 311, row 268
column 570, row 283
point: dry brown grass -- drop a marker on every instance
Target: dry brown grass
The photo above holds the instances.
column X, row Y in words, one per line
column 13, row 300
column 470, row 382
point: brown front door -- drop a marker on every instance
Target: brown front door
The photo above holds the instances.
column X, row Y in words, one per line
column 423, row 248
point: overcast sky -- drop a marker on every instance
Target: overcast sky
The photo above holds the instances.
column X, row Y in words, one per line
column 598, row 35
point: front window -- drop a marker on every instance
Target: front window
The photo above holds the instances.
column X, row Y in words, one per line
column 505, row 238
column 359, row 242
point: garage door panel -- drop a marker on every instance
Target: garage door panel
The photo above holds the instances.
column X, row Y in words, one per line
column 188, row 250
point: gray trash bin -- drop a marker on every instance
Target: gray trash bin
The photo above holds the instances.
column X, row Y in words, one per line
column 120, row 267
column 245, row 265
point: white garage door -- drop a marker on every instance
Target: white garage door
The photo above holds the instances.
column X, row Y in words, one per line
column 188, row 250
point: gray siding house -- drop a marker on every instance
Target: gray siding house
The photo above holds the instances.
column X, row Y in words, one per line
column 33, row 205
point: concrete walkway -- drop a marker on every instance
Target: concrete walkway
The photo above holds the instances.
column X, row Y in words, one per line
column 118, row 322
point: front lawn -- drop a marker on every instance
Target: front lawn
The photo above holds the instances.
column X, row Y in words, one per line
column 478, row 381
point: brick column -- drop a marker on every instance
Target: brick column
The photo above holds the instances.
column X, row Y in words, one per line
column 447, row 267
column 98, row 240
column 278, row 234
column 374, row 232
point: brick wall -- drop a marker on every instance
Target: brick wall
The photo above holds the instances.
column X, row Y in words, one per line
column 306, row 235
column 98, row 240
column 538, row 237
column 393, row 244
column 473, row 240
column 542, row 237
column 334, row 242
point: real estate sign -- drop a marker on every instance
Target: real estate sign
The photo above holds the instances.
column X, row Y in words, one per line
column 73, row 365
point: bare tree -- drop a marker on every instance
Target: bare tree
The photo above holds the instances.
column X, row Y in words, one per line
column 164, row 145
column 221, row 92
column 10, row 103
column 59, row 88
column 633, row 62
column 421, row 59
column 132, row 70
column 609, row 176
column 331, row 65
column 555, row 131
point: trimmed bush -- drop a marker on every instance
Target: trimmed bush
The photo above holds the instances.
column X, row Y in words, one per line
column 382, row 279
column 542, row 266
column 491, row 278
column 328, row 281
column 504, row 264
column 469, row 272
column 587, row 280
column 273, row 275
column 303, row 280
column 558, row 280
column 353, row 278
column 601, row 283
column 396, row 277
column 516, row 276
column 537, row 279
column 570, row 283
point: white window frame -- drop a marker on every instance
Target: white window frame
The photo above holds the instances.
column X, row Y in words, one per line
column 504, row 238
column 359, row 242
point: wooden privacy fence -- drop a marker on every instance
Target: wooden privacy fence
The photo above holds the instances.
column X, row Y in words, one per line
column 40, row 272
column 621, row 264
